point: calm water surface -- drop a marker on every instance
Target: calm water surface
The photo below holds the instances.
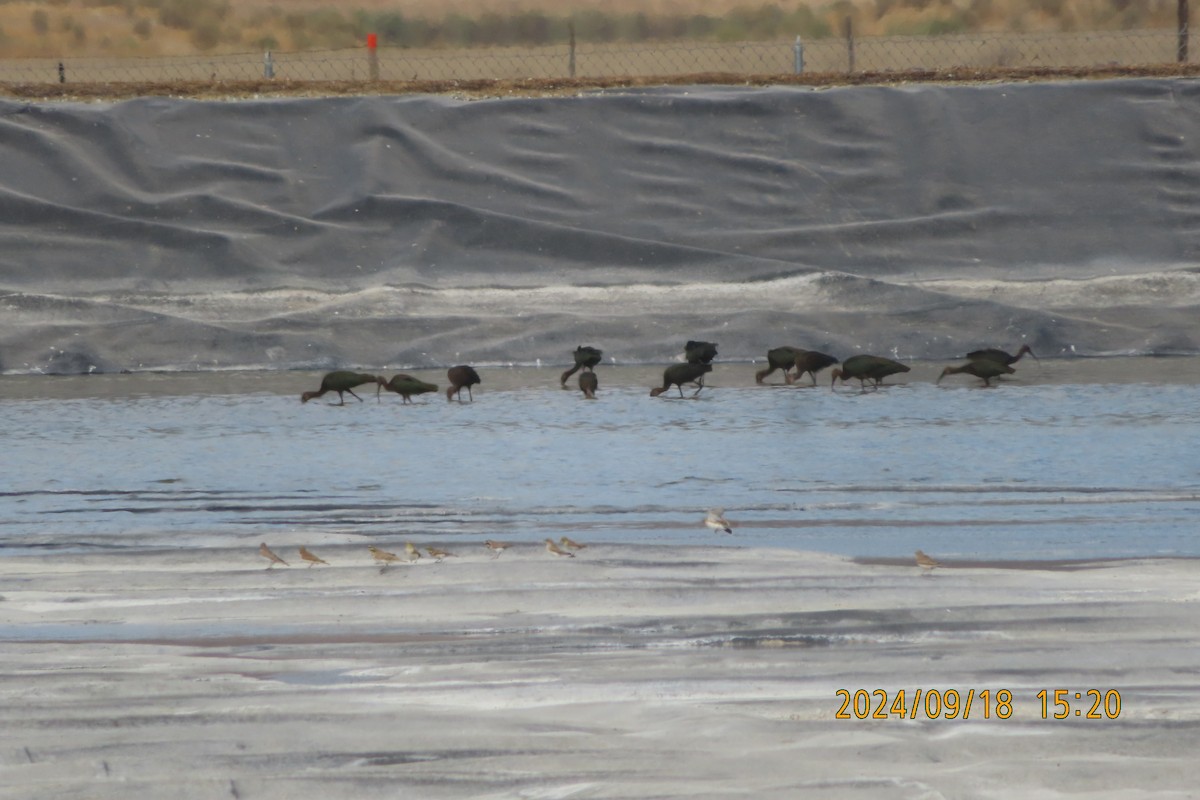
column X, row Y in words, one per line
column 1078, row 459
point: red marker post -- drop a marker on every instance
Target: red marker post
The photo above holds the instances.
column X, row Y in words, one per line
column 373, row 56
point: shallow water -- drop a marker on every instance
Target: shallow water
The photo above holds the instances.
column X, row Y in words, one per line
column 1071, row 459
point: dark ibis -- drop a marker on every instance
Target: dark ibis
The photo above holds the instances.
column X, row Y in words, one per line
column 992, row 354
column 867, row 368
column 983, row 369
column 679, row 374
column 406, row 386
column 783, row 358
column 341, row 381
column 461, row 377
column 586, row 358
column 812, row 362
column 699, row 352
column 588, row 384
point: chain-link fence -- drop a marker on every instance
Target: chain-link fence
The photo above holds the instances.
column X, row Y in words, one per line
column 874, row 54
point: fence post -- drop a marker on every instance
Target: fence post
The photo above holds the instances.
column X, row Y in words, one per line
column 850, row 43
column 798, row 53
column 268, row 65
column 1182, row 54
column 372, row 56
column 571, row 45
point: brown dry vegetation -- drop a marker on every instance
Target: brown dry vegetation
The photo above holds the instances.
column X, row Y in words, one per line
column 480, row 89
column 126, row 28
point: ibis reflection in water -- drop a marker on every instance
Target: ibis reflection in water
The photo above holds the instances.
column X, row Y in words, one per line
column 588, row 383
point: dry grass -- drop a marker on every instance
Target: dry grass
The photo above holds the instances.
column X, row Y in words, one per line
column 435, row 9
column 77, row 28
column 619, row 62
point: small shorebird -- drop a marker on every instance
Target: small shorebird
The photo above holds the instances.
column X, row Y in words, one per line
column 411, row 552
column 383, row 556
column 925, row 562
column 551, row 547
column 496, row 547
column 716, row 520
column 266, row 553
column 438, row 553
column 570, row 543
column 308, row 556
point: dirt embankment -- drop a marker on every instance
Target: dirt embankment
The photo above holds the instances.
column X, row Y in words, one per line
column 559, row 86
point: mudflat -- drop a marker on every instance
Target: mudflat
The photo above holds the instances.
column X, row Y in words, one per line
column 625, row 671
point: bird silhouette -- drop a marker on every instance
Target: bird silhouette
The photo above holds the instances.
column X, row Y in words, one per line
column 927, row 563
column 586, row 358
column 783, row 358
column 341, row 381
column 716, row 520
column 588, row 384
column 461, row 377
column 568, row 542
column 699, row 352
column 438, row 553
column 551, row 547
column 496, row 547
column 679, row 374
column 411, row 553
column 864, row 368
column 266, row 553
column 383, row 556
column 311, row 558
column 406, row 386
column 812, row 362
column 992, row 354
column 982, row 369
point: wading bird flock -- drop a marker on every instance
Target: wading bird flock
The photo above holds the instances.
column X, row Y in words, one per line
column 565, row 547
column 794, row 362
